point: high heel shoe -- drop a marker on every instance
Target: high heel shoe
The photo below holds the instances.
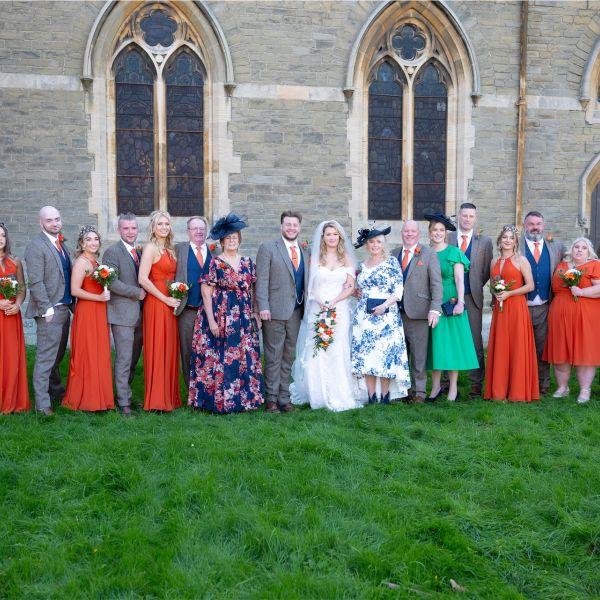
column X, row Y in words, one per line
column 373, row 399
column 561, row 392
column 434, row 398
column 584, row 395
column 457, row 399
column 385, row 399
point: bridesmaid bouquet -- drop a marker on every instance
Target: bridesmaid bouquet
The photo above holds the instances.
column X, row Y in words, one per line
column 323, row 329
column 104, row 275
column 178, row 290
column 9, row 287
column 498, row 285
column 571, row 278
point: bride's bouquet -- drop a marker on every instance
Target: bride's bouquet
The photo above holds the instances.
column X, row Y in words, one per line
column 323, row 328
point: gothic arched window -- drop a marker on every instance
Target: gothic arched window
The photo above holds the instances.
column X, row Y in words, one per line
column 159, row 118
column 408, row 105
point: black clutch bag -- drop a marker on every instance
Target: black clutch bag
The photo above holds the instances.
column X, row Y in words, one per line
column 448, row 308
column 373, row 303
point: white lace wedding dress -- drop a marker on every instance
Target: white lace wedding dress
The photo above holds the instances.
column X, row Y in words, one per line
column 326, row 380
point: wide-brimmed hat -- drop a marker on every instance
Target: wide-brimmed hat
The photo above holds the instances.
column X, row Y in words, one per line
column 438, row 217
column 366, row 234
column 226, row 226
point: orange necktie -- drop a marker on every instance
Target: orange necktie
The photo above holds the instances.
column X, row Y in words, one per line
column 295, row 261
column 463, row 246
column 536, row 252
column 136, row 258
column 405, row 259
column 59, row 247
column 199, row 256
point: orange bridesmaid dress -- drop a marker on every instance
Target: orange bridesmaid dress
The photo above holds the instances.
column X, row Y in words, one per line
column 574, row 325
column 161, row 342
column 511, row 371
column 14, row 393
column 90, row 386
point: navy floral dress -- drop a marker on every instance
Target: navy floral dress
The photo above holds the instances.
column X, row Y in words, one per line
column 225, row 371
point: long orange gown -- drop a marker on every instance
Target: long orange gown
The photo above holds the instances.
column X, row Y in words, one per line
column 14, row 393
column 161, row 342
column 574, row 325
column 511, row 371
column 90, row 386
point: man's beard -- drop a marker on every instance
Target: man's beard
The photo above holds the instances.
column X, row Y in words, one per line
column 533, row 237
column 290, row 239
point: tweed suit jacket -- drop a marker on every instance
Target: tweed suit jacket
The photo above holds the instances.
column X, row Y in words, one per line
column 124, row 304
column 482, row 252
column 423, row 283
column 181, row 252
column 275, row 285
column 45, row 275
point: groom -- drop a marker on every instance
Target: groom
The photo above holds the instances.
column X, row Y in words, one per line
column 281, row 285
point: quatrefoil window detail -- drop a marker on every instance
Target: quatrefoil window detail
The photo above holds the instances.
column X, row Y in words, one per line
column 158, row 28
column 408, row 41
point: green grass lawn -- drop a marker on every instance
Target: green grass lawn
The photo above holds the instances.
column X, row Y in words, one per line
column 383, row 502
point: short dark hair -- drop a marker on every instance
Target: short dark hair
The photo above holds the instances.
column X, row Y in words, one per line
column 533, row 213
column 467, row 205
column 291, row 213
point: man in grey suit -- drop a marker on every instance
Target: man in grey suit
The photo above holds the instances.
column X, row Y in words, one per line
column 281, row 283
column 543, row 254
column 479, row 250
column 421, row 304
column 50, row 304
column 193, row 260
column 124, row 308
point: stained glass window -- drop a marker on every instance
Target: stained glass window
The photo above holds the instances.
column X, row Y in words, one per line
column 184, row 77
column 430, row 124
column 158, row 28
column 385, row 144
column 408, row 41
column 134, row 79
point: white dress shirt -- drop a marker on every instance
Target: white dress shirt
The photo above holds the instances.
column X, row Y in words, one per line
column 459, row 238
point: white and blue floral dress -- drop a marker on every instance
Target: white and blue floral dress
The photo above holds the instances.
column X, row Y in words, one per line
column 378, row 345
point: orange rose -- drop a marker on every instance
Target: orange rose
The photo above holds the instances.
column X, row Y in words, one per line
column 104, row 273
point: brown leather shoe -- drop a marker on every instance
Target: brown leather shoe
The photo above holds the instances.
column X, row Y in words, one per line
column 47, row 412
column 419, row 399
column 287, row 408
column 271, row 407
column 475, row 391
column 126, row 411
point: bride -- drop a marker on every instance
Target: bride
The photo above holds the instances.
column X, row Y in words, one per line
column 324, row 377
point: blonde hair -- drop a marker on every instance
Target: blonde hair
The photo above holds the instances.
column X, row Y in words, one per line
column 590, row 247
column 382, row 238
column 341, row 247
column 81, row 237
column 515, row 233
column 154, row 217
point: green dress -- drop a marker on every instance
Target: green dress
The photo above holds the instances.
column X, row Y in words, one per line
column 451, row 343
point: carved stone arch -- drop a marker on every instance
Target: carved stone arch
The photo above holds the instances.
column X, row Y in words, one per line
column 200, row 31
column 454, row 53
column 589, row 88
column 588, row 180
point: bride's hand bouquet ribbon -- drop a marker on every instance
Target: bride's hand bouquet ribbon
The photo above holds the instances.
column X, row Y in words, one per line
column 499, row 285
column 324, row 328
column 571, row 278
column 178, row 290
column 104, row 275
column 9, row 287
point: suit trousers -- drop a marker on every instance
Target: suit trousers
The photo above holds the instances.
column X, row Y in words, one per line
column 416, row 334
column 185, row 325
column 279, row 343
column 52, row 340
column 539, row 320
column 128, row 347
column 476, row 323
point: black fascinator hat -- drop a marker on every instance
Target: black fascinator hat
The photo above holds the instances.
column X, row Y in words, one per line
column 438, row 217
column 366, row 234
column 226, row 226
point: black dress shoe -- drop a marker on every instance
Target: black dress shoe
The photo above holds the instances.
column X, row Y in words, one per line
column 434, row 398
column 271, row 407
column 287, row 408
column 46, row 412
column 385, row 399
column 373, row 399
column 126, row 411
